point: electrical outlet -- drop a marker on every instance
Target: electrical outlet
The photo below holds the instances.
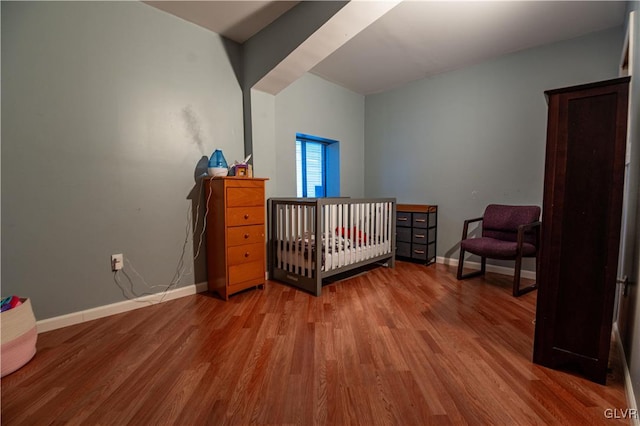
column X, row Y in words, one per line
column 117, row 261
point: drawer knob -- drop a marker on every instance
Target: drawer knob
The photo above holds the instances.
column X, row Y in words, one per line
column 246, row 236
column 419, row 251
column 246, row 254
column 402, row 219
column 246, row 216
column 421, row 220
column 419, row 236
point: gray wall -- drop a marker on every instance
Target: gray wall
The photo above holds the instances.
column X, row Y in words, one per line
column 263, row 110
column 476, row 136
column 107, row 109
column 314, row 106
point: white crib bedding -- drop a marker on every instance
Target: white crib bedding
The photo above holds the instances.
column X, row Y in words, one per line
column 341, row 253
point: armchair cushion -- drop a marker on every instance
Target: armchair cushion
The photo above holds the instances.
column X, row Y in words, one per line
column 501, row 222
column 496, row 249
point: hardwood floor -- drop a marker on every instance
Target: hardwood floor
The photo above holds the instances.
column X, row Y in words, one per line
column 410, row 346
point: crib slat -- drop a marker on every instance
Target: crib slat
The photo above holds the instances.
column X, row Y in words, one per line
column 356, row 222
column 378, row 229
column 303, row 237
column 336, row 248
column 345, row 221
column 373, row 229
column 298, row 236
column 334, row 225
column 285, row 238
column 307, row 237
column 287, row 233
column 327, row 237
column 352, row 231
column 369, row 230
column 300, row 240
column 276, row 232
column 380, row 238
column 281, row 231
column 347, row 236
column 389, row 226
column 294, row 252
column 279, row 235
column 385, row 226
column 363, row 228
column 311, row 237
column 345, row 224
column 374, row 218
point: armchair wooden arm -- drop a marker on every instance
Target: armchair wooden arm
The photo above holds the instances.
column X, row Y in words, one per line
column 465, row 229
column 527, row 227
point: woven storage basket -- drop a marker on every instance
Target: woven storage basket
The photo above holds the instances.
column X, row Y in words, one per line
column 19, row 336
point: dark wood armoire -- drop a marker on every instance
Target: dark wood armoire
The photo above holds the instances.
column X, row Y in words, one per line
column 582, row 205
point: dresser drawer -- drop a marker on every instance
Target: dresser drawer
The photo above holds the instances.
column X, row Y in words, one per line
column 239, row 235
column 403, row 249
column 403, row 219
column 246, row 272
column 240, row 197
column 420, row 220
column 237, row 216
column 403, row 234
column 419, row 251
column 423, row 236
column 245, row 254
column 234, row 288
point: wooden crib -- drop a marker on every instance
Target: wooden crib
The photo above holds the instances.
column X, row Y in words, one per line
column 353, row 233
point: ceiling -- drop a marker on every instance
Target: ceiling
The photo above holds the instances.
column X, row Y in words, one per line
column 236, row 20
column 418, row 39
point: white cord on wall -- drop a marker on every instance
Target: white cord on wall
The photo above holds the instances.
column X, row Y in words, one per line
column 180, row 269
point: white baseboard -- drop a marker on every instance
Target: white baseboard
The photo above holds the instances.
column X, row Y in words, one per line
column 490, row 268
column 117, row 308
column 628, row 384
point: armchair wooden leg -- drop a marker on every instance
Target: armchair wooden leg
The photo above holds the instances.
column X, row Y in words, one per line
column 516, row 277
column 461, row 276
column 460, row 263
column 517, row 291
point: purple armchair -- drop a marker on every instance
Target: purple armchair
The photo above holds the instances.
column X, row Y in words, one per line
column 508, row 233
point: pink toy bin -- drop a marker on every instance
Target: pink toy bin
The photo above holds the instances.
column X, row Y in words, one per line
column 18, row 335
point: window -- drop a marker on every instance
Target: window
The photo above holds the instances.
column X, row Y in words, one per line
column 316, row 173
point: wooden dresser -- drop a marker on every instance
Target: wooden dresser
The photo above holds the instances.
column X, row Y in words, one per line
column 235, row 234
column 416, row 232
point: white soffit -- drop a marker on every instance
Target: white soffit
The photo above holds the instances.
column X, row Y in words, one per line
column 342, row 27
